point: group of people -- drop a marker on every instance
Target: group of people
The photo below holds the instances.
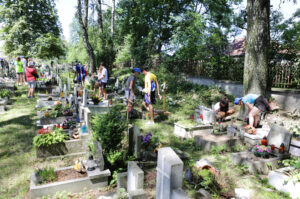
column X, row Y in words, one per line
column 151, row 85
column 26, row 72
column 255, row 104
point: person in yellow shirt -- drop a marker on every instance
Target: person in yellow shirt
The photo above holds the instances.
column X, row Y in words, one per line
column 151, row 84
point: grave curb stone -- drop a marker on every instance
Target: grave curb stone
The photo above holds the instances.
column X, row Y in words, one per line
column 73, row 185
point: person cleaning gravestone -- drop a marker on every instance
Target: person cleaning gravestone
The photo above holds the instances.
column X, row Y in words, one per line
column 256, row 104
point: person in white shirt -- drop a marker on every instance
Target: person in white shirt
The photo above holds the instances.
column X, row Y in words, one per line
column 222, row 109
column 103, row 77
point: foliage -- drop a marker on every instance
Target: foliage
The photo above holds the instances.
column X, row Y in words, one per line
column 114, row 156
column 47, row 175
column 48, row 46
column 54, row 137
column 217, row 150
column 22, row 21
column 109, row 129
column 5, row 93
column 292, row 162
column 203, row 178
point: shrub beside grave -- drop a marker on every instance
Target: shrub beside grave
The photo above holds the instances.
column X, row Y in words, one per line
column 109, row 130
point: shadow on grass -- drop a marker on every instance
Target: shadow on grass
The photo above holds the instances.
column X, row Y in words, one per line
column 16, row 135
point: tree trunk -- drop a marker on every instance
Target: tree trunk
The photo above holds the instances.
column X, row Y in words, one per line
column 99, row 11
column 84, row 27
column 112, row 18
column 257, row 45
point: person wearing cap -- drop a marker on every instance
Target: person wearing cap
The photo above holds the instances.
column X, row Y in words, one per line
column 19, row 71
column 151, row 84
column 31, row 75
column 256, row 104
column 129, row 89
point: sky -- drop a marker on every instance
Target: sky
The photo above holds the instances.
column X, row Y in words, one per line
column 67, row 8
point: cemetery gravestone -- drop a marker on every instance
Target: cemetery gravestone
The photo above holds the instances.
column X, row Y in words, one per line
column 169, row 174
column 135, row 181
column 279, row 135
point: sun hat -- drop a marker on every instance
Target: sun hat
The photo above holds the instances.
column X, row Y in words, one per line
column 137, row 70
column 236, row 101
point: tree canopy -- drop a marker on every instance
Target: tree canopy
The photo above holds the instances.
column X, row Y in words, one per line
column 27, row 23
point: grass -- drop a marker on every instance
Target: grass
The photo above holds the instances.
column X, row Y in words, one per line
column 17, row 156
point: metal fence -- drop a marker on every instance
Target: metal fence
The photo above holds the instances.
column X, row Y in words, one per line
column 283, row 74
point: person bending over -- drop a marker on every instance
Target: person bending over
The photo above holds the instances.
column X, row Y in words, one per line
column 256, row 104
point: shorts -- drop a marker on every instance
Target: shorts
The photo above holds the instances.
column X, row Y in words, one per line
column 262, row 104
column 20, row 73
column 129, row 96
column 103, row 85
column 31, row 84
column 152, row 98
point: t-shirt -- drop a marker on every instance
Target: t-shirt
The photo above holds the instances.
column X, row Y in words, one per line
column 150, row 82
column 104, row 73
column 250, row 98
column 19, row 67
column 29, row 74
column 130, row 78
column 217, row 107
column 80, row 70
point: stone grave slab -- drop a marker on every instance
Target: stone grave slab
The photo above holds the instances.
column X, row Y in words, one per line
column 276, row 136
column 295, row 148
column 279, row 134
column 256, row 139
column 135, row 181
column 169, row 173
column 208, row 114
column 190, row 132
column 48, row 120
column 258, row 165
column 73, row 147
column 206, row 141
column 99, row 155
column 282, row 182
column 74, row 186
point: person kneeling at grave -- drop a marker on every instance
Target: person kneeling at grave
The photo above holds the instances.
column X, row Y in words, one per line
column 222, row 109
column 256, row 104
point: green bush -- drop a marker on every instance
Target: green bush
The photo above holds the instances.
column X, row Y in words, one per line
column 109, row 129
column 5, row 93
column 54, row 137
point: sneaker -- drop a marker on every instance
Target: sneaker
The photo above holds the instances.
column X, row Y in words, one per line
column 150, row 123
column 29, row 97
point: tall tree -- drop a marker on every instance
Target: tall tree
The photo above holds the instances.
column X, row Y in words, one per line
column 257, row 45
column 99, row 12
column 112, row 17
column 23, row 21
column 83, row 21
